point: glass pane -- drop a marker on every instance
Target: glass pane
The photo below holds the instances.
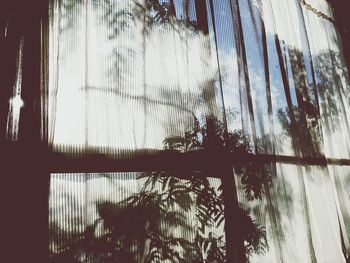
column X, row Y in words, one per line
column 244, row 77
column 128, row 74
column 299, row 211
column 133, row 217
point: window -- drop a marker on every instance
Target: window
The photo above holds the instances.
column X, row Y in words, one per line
column 177, row 130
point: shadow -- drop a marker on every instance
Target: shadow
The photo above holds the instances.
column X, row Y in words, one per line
column 321, row 106
column 175, row 216
column 145, row 226
column 129, row 32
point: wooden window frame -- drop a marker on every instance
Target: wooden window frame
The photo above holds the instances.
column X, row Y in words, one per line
column 28, row 163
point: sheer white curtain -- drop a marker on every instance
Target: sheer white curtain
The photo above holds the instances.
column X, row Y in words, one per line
column 123, row 79
column 305, row 206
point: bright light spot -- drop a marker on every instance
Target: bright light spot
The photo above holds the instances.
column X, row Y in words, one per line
column 17, row 102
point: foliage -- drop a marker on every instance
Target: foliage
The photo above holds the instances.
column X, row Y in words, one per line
column 211, row 136
column 133, row 230
column 144, row 226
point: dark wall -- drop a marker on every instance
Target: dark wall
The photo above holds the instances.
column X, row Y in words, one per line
column 342, row 16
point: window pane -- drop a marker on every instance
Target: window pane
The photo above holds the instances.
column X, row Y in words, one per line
column 127, row 217
column 299, row 211
column 127, row 75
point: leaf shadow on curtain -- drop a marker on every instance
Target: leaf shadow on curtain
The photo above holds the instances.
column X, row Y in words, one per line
column 298, row 122
column 131, row 27
column 155, row 224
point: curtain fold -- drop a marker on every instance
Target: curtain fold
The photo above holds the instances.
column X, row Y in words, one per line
column 133, row 75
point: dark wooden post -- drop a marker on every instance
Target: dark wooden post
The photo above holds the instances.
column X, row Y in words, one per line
column 222, row 165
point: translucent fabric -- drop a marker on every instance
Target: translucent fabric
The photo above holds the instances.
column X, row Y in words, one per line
column 110, row 218
column 130, row 79
column 117, row 70
column 130, row 75
column 299, row 211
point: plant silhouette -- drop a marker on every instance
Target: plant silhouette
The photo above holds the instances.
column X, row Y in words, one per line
column 145, row 227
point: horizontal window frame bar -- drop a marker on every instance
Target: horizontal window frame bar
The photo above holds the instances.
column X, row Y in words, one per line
column 148, row 160
column 173, row 160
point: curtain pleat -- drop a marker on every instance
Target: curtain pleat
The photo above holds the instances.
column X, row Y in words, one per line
column 128, row 76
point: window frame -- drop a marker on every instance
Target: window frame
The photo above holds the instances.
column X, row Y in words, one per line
column 33, row 153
